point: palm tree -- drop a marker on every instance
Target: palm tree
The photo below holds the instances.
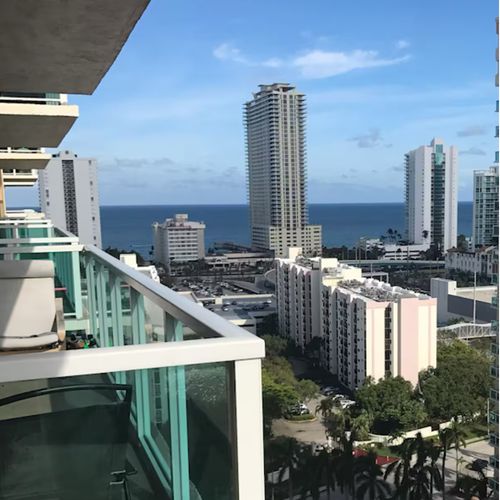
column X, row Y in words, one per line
column 432, row 469
column 446, row 441
column 368, row 477
column 326, row 469
column 458, row 439
column 335, row 425
column 310, row 474
column 325, row 407
column 401, row 468
column 344, row 466
column 290, row 450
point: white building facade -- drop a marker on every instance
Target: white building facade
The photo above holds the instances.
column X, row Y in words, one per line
column 178, row 240
column 431, row 195
column 276, row 169
column 298, row 289
column 482, row 261
column 69, row 196
column 485, row 207
column 367, row 328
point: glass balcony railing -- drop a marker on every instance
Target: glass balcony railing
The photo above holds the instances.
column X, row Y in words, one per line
column 166, row 404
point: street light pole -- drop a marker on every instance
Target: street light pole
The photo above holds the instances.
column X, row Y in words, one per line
column 474, row 299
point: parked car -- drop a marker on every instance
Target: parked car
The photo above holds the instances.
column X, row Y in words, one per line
column 225, row 308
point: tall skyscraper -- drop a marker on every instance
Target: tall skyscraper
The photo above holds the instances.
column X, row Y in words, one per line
column 485, row 207
column 276, row 168
column 69, row 196
column 431, row 195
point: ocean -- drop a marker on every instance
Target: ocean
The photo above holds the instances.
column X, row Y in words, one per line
column 129, row 227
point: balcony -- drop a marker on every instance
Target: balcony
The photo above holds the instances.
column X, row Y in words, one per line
column 166, row 404
column 71, row 44
column 18, row 178
column 36, row 120
column 23, row 158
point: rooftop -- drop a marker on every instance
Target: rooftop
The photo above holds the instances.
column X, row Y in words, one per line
column 379, row 291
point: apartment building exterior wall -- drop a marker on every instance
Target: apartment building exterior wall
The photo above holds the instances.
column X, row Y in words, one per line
column 367, row 328
column 482, row 261
column 375, row 338
column 299, row 282
column 178, row 240
column 276, row 171
column 69, row 196
column 431, row 178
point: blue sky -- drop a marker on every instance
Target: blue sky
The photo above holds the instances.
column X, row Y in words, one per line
column 381, row 78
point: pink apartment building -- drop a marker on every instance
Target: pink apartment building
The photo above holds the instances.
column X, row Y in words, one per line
column 371, row 329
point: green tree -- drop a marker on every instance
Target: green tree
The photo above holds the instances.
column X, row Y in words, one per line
column 462, row 244
column 325, row 407
column 268, row 326
column 307, row 389
column 369, row 479
column 275, row 346
column 392, row 404
column 459, row 384
column 276, row 399
column 360, row 426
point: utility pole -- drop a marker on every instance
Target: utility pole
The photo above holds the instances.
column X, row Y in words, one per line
column 474, row 298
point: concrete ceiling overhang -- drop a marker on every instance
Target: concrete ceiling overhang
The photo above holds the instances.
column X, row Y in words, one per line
column 35, row 125
column 64, row 46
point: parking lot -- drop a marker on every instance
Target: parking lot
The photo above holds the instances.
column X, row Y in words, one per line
column 203, row 288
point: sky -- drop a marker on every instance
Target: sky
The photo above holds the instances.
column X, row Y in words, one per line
column 381, row 78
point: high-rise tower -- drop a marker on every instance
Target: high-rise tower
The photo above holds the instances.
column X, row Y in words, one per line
column 431, row 195
column 485, row 207
column 276, row 170
column 69, row 196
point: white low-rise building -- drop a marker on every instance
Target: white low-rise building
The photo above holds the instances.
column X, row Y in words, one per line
column 398, row 251
column 131, row 260
column 482, row 261
column 178, row 240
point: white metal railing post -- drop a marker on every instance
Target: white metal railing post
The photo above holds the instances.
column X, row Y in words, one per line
column 249, row 430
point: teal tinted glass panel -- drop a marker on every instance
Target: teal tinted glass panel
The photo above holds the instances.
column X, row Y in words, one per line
column 161, row 433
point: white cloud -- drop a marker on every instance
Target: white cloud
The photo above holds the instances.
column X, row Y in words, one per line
column 314, row 63
column 323, row 64
column 370, row 140
column 226, row 52
column 273, row 62
column 402, row 44
column 472, row 130
column 473, row 151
